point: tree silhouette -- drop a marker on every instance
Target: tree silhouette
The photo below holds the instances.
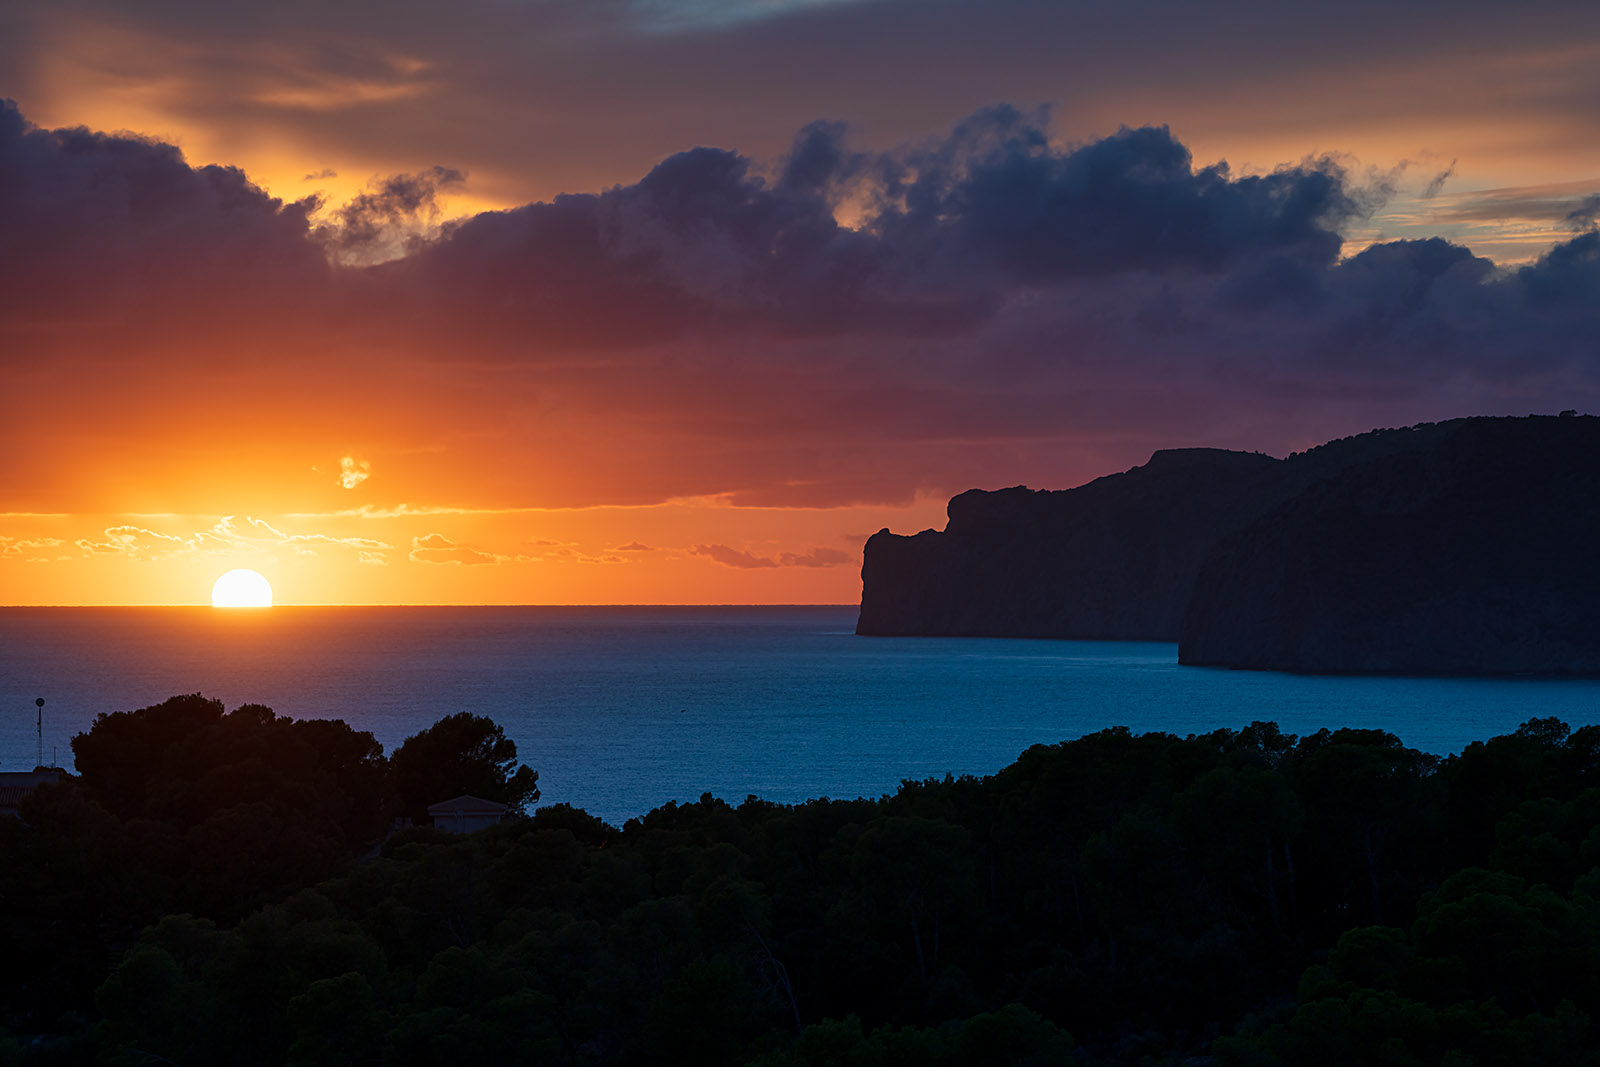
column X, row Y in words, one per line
column 461, row 754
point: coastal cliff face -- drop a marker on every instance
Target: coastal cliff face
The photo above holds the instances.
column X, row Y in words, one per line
column 1115, row 558
column 1457, row 547
column 1479, row 554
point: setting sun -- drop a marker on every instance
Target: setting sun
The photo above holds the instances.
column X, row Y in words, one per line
column 241, row 589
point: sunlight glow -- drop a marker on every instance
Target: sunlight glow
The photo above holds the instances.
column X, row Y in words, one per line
column 241, row 589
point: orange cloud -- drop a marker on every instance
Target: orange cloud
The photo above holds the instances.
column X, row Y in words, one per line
column 134, row 542
column 352, row 472
column 436, row 548
column 816, row 557
column 29, row 548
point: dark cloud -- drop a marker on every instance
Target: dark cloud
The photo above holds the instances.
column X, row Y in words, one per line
column 539, row 97
column 394, row 216
column 1392, row 295
column 1436, row 184
column 839, row 326
column 998, row 191
column 1563, row 202
column 99, row 224
column 1117, row 249
column 1584, row 216
column 946, row 235
column 1565, row 285
column 699, row 243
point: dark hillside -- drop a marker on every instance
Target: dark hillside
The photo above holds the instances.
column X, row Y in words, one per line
column 1116, row 558
column 1474, row 555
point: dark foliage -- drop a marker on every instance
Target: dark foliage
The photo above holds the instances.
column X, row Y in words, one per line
column 461, row 754
column 1244, row 895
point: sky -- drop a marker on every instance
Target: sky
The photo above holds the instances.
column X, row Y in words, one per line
column 679, row 301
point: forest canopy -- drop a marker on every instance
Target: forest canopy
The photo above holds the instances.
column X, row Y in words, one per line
column 234, row 892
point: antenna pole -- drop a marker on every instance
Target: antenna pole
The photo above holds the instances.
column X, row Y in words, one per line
column 40, row 705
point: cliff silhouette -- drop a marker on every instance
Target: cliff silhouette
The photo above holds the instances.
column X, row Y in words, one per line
column 1454, row 547
column 1476, row 555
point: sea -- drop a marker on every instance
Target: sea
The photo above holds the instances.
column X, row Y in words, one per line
column 623, row 709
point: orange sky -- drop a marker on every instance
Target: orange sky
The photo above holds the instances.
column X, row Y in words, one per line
column 646, row 374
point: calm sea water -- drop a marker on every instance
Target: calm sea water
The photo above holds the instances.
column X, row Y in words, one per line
column 623, row 709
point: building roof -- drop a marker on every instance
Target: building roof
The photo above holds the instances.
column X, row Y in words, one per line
column 11, row 795
column 467, row 805
column 29, row 778
column 14, row 785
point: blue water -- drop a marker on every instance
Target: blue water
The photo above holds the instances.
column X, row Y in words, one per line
column 623, row 709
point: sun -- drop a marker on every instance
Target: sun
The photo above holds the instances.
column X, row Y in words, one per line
column 241, row 589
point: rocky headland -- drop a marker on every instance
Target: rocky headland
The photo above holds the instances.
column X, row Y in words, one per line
column 1467, row 546
column 1477, row 555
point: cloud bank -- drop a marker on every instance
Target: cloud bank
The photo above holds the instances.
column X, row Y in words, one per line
column 832, row 326
column 536, row 99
